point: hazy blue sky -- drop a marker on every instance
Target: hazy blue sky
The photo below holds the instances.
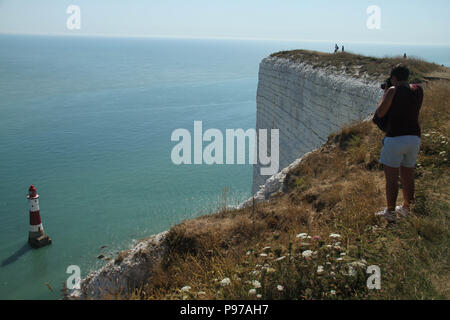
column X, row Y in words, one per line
column 402, row 21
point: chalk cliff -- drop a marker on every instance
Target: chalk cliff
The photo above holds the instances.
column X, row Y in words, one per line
column 307, row 103
column 123, row 274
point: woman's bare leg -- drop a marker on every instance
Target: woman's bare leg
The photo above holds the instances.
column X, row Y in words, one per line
column 391, row 186
column 407, row 177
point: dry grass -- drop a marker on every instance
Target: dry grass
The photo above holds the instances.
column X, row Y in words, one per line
column 358, row 65
column 336, row 189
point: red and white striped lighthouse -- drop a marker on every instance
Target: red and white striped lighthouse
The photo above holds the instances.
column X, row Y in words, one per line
column 36, row 236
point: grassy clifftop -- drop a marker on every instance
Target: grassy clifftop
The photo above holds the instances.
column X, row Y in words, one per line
column 316, row 240
column 363, row 66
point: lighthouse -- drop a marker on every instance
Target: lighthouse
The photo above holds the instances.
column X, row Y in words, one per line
column 36, row 236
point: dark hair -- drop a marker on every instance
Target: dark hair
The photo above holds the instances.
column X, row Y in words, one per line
column 401, row 72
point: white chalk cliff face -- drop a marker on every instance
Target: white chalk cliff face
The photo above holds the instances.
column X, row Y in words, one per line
column 125, row 273
column 307, row 104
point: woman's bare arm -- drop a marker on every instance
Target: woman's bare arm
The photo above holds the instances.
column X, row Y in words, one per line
column 385, row 102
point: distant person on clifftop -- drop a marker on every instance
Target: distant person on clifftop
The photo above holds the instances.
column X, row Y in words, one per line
column 400, row 105
column 336, row 48
column 343, row 48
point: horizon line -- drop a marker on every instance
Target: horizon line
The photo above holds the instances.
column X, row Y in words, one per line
column 135, row 36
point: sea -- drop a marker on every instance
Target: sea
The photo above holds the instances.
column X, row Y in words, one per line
column 88, row 121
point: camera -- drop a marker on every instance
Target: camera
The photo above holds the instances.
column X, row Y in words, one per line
column 387, row 84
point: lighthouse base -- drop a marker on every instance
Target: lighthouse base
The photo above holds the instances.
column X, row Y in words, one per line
column 39, row 242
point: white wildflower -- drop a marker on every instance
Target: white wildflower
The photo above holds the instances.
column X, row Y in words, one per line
column 280, row 288
column 280, row 258
column 256, row 284
column 333, row 292
column 225, row 282
column 263, row 254
column 259, row 296
column 335, row 235
column 186, row 289
column 252, row 292
column 303, row 236
column 307, row 253
column 320, row 270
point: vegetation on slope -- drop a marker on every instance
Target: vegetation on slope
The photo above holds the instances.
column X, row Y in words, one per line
column 316, row 240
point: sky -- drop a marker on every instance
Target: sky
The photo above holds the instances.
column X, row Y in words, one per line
column 401, row 21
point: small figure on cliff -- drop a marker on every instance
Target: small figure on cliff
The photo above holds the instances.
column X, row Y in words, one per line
column 404, row 57
column 400, row 105
column 336, row 48
column 343, row 48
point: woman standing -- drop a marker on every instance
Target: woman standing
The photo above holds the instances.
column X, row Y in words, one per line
column 401, row 105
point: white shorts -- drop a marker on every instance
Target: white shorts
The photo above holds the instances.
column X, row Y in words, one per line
column 400, row 151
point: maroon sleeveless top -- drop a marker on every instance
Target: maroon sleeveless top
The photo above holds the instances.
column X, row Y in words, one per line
column 403, row 115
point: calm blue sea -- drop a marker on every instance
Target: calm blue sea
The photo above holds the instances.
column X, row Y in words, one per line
column 89, row 120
